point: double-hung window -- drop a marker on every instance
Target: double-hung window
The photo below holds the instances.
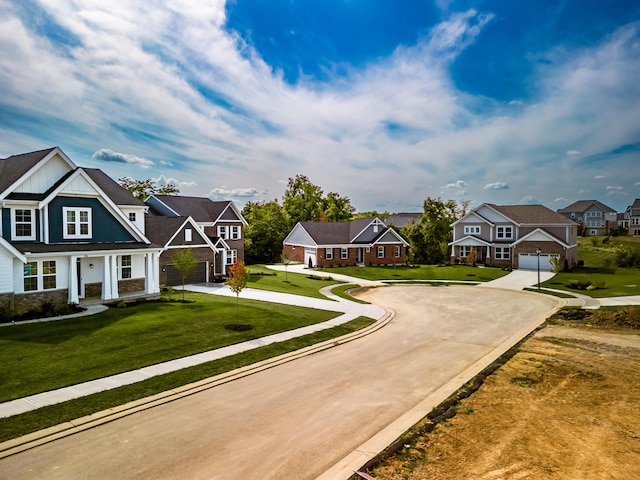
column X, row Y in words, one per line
column 501, row 253
column 77, row 223
column 344, row 253
column 24, row 224
column 504, row 232
column 235, row 232
column 125, row 267
column 31, row 276
column 232, row 256
column 328, row 253
column 398, row 251
column 222, row 231
column 381, row 251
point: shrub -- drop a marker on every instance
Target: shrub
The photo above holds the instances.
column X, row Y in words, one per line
column 627, row 257
column 594, row 241
column 585, row 285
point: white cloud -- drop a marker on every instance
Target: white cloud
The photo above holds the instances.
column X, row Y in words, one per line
column 572, row 153
column 599, row 177
column 529, row 200
column 243, row 193
column 162, row 180
column 560, row 200
column 637, row 184
column 107, row 155
column 457, row 184
column 616, row 190
column 496, row 186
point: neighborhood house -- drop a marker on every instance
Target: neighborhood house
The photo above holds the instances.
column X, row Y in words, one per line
column 515, row 236
column 363, row 241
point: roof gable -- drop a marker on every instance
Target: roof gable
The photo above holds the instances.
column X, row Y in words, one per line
column 201, row 209
column 164, row 231
column 34, row 172
column 582, row 206
column 541, row 235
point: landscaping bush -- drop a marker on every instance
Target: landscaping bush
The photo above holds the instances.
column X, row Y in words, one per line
column 585, row 285
column 627, row 256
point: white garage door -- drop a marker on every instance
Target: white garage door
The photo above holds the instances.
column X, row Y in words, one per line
column 529, row 261
column 310, row 257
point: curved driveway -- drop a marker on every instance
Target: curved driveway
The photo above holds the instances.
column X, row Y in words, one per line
column 298, row 419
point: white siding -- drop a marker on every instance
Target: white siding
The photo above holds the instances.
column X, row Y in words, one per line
column 79, row 186
column 6, row 272
column 139, row 211
column 43, row 178
column 299, row 236
column 492, row 215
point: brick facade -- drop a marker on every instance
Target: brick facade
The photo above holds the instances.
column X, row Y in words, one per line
column 23, row 302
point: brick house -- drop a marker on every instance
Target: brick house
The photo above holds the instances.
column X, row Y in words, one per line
column 363, row 241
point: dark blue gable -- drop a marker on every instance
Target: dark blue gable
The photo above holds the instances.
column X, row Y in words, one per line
column 105, row 227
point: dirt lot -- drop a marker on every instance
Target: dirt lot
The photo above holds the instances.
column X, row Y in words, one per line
column 566, row 406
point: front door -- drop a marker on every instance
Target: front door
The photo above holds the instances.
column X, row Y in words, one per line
column 79, row 274
column 360, row 255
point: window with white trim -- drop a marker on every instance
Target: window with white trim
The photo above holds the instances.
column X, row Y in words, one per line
column 125, row 267
column 328, row 253
column 504, row 232
column 235, row 232
column 344, row 253
column 188, row 236
column 398, row 251
column 24, row 224
column 471, row 229
column 380, row 251
column 501, row 253
column 48, row 274
column 77, row 222
column 465, row 250
column 232, row 256
column 30, row 276
column 40, row 275
column 223, row 231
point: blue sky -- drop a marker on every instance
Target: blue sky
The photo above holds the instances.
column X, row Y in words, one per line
column 385, row 102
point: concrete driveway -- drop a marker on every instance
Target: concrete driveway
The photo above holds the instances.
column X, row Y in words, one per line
column 310, row 416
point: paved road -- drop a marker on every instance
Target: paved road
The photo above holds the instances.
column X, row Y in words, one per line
column 298, row 419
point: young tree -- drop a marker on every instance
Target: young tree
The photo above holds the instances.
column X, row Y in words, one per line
column 141, row 189
column 237, row 280
column 185, row 262
column 286, row 260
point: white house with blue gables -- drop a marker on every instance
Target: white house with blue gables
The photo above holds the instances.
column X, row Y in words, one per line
column 69, row 233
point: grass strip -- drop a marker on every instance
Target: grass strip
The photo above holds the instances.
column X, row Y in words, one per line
column 44, row 417
column 421, row 272
column 341, row 291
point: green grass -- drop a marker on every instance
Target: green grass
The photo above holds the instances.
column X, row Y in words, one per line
column 50, row 355
column 25, row 423
column 600, row 268
column 265, row 278
column 341, row 291
column 421, row 272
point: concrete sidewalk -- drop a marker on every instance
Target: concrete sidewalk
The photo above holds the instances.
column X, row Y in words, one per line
column 349, row 310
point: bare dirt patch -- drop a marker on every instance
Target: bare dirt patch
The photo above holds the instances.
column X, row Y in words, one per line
column 564, row 406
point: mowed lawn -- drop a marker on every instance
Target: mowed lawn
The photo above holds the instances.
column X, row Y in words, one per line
column 264, row 278
column 421, row 272
column 43, row 356
column 600, row 268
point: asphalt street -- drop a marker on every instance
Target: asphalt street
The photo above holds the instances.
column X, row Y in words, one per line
column 299, row 419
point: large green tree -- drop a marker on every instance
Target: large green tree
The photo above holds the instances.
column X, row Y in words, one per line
column 305, row 202
column 266, row 231
column 428, row 239
column 141, row 189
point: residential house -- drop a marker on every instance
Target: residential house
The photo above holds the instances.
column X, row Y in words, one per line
column 221, row 222
column 633, row 212
column 363, row 241
column 515, row 236
column 400, row 220
column 594, row 217
column 69, row 233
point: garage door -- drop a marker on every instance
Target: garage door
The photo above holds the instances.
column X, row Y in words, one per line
column 529, row 261
column 199, row 275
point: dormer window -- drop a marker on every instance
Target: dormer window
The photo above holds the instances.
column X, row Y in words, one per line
column 24, row 224
column 77, row 223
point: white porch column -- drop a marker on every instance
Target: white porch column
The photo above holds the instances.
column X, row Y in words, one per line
column 114, row 277
column 106, row 278
column 73, row 280
column 151, row 273
column 488, row 252
column 224, row 262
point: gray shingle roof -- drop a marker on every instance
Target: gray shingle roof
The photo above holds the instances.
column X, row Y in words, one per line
column 532, row 215
column 159, row 230
column 201, row 209
column 119, row 195
column 583, row 205
column 338, row 233
column 13, row 167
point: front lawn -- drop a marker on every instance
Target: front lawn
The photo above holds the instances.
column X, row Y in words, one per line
column 265, row 278
column 616, row 282
column 45, row 356
column 421, row 272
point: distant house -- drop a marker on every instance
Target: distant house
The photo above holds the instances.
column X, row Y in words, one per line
column 633, row 214
column 363, row 241
column 400, row 220
column 594, row 217
column 69, row 233
column 512, row 235
column 221, row 222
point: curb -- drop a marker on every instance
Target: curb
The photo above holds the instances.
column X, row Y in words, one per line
column 354, row 461
column 50, row 434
